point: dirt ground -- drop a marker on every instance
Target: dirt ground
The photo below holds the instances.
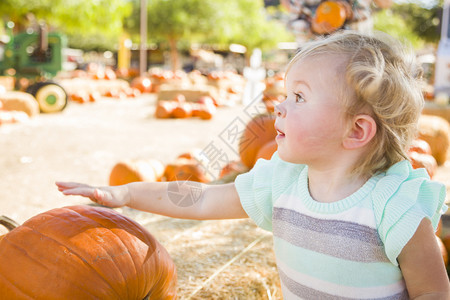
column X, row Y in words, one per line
column 83, row 143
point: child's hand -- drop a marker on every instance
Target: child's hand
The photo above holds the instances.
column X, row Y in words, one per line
column 112, row 196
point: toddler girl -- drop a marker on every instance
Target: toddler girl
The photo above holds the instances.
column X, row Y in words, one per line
column 350, row 217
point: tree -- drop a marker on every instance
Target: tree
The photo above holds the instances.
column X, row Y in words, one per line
column 173, row 20
column 90, row 18
column 416, row 23
column 424, row 21
column 395, row 25
column 247, row 22
column 215, row 21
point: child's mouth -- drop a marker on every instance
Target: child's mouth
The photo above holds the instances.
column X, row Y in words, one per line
column 280, row 134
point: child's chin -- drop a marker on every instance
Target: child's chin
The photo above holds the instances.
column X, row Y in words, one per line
column 282, row 155
column 286, row 157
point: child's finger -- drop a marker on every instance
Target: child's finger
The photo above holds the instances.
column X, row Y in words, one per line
column 69, row 185
column 79, row 191
column 64, row 183
column 100, row 197
column 98, row 194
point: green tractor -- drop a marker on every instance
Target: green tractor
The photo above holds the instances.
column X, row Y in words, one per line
column 34, row 58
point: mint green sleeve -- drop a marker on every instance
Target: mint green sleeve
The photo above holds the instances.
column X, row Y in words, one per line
column 255, row 192
column 263, row 184
column 401, row 200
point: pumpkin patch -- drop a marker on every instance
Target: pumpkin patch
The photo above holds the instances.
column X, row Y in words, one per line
column 179, row 108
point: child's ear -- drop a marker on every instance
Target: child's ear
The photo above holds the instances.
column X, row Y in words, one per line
column 362, row 130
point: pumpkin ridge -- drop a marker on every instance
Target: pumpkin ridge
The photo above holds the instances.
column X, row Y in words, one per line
column 131, row 259
column 16, row 289
column 156, row 288
column 75, row 253
column 135, row 229
column 50, row 238
column 108, row 216
column 7, row 239
column 104, row 212
column 129, row 222
column 112, row 258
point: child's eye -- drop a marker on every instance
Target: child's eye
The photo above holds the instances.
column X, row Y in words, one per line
column 299, row 98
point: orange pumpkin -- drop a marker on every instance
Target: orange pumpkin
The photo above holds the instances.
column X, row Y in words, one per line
column 439, row 228
column 207, row 111
column 164, row 109
column 446, row 241
column 182, row 110
column 233, row 167
column 186, row 155
column 420, row 160
column 80, row 97
column 186, row 169
column 330, row 16
column 127, row 171
column 444, row 251
column 143, row 84
column 196, row 108
column 206, row 108
column 420, row 146
column 271, row 101
column 110, row 74
column 257, row 133
column 132, row 92
column 84, row 252
column 94, row 96
column 267, row 150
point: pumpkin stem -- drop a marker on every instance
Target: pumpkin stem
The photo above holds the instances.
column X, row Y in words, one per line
column 10, row 224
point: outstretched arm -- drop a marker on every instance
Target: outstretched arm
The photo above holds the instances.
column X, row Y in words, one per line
column 178, row 199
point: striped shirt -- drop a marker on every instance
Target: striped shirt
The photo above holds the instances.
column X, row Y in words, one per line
column 346, row 249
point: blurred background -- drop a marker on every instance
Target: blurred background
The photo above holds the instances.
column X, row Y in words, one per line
column 195, row 34
column 113, row 91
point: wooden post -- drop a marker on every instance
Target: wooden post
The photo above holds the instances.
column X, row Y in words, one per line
column 143, row 45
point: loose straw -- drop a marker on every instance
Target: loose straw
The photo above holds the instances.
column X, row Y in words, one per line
column 226, row 265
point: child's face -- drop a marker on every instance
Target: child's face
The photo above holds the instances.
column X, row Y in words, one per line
column 310, row 121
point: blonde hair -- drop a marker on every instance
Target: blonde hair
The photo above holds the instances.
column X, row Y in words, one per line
column 383, row 80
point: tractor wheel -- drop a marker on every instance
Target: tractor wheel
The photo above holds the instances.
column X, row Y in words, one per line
column 51, row 96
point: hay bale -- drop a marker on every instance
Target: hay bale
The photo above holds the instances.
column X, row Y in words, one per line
column 436, row 131
column 20, row 101
column 7, row 82
column 437, row 110
column 192, row 94
column 88, row 85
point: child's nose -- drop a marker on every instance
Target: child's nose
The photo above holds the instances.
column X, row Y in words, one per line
column 279, row 110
